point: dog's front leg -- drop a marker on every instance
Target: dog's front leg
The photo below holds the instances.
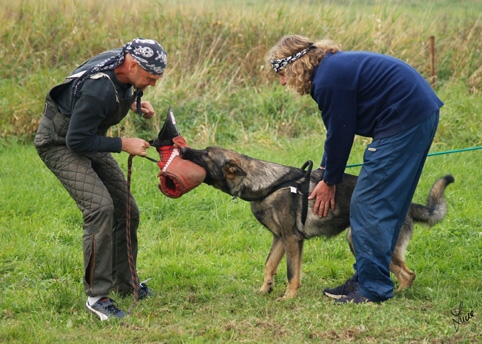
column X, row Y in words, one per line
column 275, row 255
column 294, row 252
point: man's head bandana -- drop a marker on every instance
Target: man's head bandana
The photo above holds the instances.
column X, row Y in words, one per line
column 148, row 53
column 281, row 63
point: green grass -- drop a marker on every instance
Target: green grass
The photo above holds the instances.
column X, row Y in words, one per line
column 205, row 252
column 206, row 256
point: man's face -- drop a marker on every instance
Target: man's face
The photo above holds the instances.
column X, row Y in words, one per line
column 140, row 79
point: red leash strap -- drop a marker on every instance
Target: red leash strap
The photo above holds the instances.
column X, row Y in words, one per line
column 130, row 256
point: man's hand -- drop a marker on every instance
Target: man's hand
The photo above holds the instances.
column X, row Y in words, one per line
column 324, row 197
column 135, row 146
column 146, row 108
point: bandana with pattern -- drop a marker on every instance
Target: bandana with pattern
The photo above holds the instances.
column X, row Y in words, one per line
column 148, row 53
column 281, row 63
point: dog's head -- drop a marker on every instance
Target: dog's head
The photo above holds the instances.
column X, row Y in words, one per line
column 224, row 167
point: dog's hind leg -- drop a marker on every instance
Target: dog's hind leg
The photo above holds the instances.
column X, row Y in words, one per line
column 404, row 275
column 349, row 238
column 272, row 262
column 294, row 253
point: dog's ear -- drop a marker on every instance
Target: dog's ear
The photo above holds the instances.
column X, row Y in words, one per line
column 232, row 170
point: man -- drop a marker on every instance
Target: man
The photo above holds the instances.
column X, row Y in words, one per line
column 377, row 96
column 71, row 140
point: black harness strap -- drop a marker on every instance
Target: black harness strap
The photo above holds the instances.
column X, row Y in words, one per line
column 304, row 186
column 301, row 185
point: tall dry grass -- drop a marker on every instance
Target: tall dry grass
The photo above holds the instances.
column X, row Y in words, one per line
column 216, row 51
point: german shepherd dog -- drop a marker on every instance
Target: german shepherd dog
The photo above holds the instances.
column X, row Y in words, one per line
column 276, row 201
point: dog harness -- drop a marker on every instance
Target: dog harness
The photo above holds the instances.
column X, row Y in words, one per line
column 301, row 187
column 304, row 186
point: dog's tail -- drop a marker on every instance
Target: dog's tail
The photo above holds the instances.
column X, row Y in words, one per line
column 436, row 207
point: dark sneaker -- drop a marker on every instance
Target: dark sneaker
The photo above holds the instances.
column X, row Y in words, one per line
column 144, row 290
column 343, row 290
column 105, row 309
column 353, row 297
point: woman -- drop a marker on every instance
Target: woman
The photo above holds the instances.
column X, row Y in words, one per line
column 372, row 95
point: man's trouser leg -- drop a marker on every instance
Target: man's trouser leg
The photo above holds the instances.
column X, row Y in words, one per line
column 113, row 178
column 90, row 178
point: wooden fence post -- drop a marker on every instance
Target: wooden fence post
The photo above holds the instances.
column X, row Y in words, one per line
column 432, row 61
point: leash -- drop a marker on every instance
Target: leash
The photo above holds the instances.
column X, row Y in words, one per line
column 130, row 256
column 434, row 154
column 150, row 159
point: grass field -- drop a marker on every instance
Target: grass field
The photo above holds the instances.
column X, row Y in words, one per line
column 204, row 252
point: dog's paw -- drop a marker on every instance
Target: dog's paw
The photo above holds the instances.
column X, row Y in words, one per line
column 266, row 288
column 284, row 298
column 290, row 294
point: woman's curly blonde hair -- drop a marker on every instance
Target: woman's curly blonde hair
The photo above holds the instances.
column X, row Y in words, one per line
column 299, row 73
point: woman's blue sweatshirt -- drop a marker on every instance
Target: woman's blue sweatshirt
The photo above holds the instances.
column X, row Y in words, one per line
column 367, row 94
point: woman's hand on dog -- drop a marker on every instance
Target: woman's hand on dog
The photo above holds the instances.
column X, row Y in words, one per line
column 324, row 196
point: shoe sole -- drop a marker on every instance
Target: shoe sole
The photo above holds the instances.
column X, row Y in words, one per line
column 100, row 315
column 334, row 296
column 355, row 303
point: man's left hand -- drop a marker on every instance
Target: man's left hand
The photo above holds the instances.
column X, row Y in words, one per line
column 146, row 108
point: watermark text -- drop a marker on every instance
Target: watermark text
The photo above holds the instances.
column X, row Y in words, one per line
column 460, row 317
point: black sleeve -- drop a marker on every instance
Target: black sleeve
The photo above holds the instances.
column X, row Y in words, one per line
column 96, row 100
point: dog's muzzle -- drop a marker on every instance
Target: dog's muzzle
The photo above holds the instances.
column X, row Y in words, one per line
column 177, row 176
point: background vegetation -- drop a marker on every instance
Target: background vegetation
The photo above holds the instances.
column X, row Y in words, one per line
column 204, row 252
column 216, row 80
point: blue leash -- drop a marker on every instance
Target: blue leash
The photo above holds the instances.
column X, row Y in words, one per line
column 436, row 153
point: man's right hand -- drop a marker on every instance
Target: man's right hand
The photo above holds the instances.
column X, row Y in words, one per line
column 135, row 146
